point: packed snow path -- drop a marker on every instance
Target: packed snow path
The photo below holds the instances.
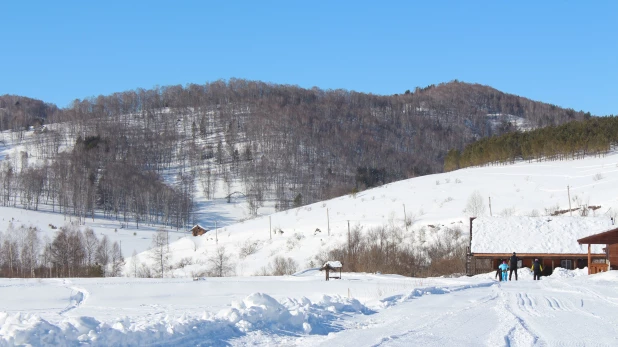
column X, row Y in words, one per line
column 549, row 312
column 568, row 308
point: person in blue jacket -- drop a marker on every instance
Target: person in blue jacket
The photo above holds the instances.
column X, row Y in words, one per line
column 504, row 267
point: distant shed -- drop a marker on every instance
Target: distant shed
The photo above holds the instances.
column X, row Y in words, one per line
column 552, row 240
column 332, row 266
column 198, row 230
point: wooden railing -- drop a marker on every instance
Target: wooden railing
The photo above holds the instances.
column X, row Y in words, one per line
column 597, row 267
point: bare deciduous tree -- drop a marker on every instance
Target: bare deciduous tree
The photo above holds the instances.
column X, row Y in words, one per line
column 475, row 206
column 160, row 252
column 221, row 263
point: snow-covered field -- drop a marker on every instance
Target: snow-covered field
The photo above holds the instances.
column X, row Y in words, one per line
column 568, row 308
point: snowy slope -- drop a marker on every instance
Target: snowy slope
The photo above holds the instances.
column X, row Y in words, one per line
column 430, row 202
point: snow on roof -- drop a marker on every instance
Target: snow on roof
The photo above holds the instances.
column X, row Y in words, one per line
column 333, row 264
column 198, row 226
column 536, row 234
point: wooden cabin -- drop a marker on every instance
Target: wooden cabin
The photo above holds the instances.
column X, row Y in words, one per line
column 610, row 240
column 332, row 266
column 198, row 230
column 552, row 240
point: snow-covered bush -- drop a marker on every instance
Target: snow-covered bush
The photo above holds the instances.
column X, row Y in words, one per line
column 248, row 248
column 279, row 266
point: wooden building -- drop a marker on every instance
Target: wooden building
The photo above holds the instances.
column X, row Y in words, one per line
column 552, row 240
column 198, row 230
column 610, row 240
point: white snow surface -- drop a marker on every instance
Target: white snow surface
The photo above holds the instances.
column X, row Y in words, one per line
column 567, row 308
column 557, row 234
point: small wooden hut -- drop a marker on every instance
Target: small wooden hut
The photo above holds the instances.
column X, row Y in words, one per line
column 332, row 266
column 198, row 230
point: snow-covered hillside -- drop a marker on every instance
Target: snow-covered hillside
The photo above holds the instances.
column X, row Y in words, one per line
column 422, row 207
column 431, row 203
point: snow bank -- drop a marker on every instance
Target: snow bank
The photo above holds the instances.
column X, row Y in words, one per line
column 561, row 272
column 257, row 311
column 433, row 290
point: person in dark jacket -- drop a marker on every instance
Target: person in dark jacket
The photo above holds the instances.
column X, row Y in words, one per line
column 513, row 266
column 498, row 275
column 536, row 269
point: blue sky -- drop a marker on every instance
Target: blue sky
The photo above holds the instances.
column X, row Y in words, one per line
column 560, row 52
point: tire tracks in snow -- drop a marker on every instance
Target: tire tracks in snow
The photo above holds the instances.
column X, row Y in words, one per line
column 432, row 322
column 518, row 331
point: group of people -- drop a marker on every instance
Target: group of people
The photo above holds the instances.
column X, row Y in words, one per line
column 503, row 269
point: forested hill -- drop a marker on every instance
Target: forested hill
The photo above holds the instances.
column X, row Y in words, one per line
column 18, row 112
column 577, row 139
column 284, row 143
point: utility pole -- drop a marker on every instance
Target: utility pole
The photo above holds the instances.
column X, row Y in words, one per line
column 405, row 222
column 270, row 227
column 490, row 207
column 349, row 239
column 569, row 195
column 327, row 222
column 216, row 233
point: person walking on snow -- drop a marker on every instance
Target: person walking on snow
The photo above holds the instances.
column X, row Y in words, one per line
column 498, row 275
column 504, row 267
column 536, row 269
column 513, row 266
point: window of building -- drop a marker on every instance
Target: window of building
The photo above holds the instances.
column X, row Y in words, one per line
column 566, row 263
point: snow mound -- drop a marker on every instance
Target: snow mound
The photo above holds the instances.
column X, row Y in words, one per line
column 308, row 272
column 256, row 312
column 433, row 290
column 561, row 272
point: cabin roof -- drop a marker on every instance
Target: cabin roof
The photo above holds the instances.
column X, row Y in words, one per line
column 540, row 235
column 605, row 238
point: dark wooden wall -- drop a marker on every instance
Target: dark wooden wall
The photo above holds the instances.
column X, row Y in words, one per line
column 613, row 256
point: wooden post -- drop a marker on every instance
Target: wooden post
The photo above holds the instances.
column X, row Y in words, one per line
column 327, row 222
column 216, row 233
column 349, row 241
column 270, row 227
column 470, row 240
column 589, row 259
column 405, row 222
column 571, row 212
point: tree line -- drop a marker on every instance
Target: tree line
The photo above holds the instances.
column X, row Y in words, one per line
column 72, row 252
column 386, row 249
column 573, row 140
